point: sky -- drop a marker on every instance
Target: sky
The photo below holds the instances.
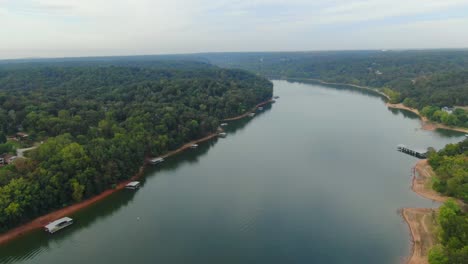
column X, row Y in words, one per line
column 70, row 28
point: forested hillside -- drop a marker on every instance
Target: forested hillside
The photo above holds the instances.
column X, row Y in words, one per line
column 432, row 78
column 98, row 122
column 451, row 167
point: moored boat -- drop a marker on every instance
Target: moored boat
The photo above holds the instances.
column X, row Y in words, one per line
column 58, row 224
column 133, row 185
column 156, row 160
column 194, row 146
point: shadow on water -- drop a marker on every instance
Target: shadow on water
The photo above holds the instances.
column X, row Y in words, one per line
column 343, row 87
column 448, row 133
column 26, row 247
column 238, row 125
column 406, row 113
column 37, row 241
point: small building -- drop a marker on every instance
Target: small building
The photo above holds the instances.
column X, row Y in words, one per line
column 58, row 224
column 21, row 136
column 447, row 109
column 7, row 159
column 133, row 185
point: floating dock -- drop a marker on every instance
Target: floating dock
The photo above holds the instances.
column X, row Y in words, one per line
column 421, row 154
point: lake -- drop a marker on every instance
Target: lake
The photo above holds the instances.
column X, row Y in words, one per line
column 313, row 178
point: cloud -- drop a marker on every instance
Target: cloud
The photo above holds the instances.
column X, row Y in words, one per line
column 108, row 27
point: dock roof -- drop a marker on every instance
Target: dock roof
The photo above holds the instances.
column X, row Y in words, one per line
column 133, row 184
column 57, row 222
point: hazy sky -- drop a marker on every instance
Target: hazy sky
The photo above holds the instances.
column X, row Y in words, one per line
column 51, row 28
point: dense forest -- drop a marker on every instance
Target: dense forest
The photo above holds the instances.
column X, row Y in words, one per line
column 98, row 121
column 451, row 167
column 429, row 78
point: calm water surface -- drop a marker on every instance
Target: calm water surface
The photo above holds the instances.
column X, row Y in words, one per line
column 315, row 178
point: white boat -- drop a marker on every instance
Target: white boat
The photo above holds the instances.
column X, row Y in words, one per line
column 224, row 124
column 194, row 146
column 133, row 185
column 156, row 160
column 252, row 114
column 222, row 134
column 58, row 224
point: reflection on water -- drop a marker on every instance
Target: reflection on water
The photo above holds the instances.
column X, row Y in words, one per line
column 317, row 173
column 345, row 87
column 405, row 113
column 28, row 246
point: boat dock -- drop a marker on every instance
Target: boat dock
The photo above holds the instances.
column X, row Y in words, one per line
column 421, row 154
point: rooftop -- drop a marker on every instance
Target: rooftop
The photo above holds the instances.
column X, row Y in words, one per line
column 133, row 184
column 58, row 222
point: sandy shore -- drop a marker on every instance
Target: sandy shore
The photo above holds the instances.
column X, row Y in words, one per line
column 421, row 222
column 426, row 124
column 45, row 219
column 421, row 183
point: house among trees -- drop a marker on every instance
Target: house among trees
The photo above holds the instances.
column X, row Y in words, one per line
column 447, row 109
column 7, row 159
column 21, row 136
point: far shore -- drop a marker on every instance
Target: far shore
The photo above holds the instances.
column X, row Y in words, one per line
column 426, row 123
column 345, row 84
column 41, row 221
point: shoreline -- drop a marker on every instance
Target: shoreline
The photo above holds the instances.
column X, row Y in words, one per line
column 426, row 124
column 346, row 84
column 422, row 175
column 248, row 112
column 420, row 221
column 41, row 221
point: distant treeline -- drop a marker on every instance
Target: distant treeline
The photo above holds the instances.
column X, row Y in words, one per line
column 451, row 167
column 99, row 120
column 432, row 78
